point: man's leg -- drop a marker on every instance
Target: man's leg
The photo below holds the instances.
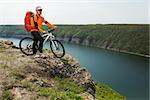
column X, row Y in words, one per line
column 34, row 34
column 41, row 43
column 37, row 37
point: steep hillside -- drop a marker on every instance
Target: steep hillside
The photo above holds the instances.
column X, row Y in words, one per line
column 123, row 38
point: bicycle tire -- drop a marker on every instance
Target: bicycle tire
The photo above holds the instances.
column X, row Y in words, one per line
column 57, row 53
column 24, row 47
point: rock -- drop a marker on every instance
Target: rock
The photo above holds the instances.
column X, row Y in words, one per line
column 87, row 96
column 22, row 94
column 7, row 44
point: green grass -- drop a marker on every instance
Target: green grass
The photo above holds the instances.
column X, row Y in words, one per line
column 17, row 74
column 7, row 95
column 4, row 66
column 104, row 92
column 64, row 89
column 2, row 50
column 66, row 84
column 55, row 94
column 26, row 85
column 65, row 61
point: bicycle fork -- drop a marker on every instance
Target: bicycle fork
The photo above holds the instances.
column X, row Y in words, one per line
column 55, row 45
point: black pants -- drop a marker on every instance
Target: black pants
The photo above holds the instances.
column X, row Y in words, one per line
column 37, row 39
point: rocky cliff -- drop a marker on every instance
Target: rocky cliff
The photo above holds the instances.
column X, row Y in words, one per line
column 47, row 77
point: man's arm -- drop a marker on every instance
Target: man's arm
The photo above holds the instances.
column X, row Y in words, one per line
column 49, row 24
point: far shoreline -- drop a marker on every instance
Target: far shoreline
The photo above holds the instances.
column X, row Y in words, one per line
column 114, row 50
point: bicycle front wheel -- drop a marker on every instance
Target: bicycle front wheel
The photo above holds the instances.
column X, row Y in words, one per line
column 26, row 45
column 57, row 48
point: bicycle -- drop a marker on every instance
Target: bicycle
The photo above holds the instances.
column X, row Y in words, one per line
column 57, row 48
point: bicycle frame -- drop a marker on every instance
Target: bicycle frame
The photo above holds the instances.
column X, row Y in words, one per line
column 51, row 37
column 47, row 36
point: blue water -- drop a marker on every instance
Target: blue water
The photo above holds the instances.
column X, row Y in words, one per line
column 125, row 73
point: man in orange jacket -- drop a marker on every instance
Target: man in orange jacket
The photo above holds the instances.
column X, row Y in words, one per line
column 36, row 24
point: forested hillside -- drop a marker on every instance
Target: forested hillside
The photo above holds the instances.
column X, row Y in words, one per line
column 120, row 37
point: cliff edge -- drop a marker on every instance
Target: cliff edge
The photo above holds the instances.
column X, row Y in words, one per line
column 47, row 77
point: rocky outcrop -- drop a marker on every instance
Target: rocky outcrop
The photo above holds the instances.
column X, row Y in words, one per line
column 67, row 67
column 32, row 68
column 6, row 44
column 45, row 77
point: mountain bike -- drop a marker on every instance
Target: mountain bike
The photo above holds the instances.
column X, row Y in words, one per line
column 57, row 48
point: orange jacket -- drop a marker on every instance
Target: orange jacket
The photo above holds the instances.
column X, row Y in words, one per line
column 37, row 19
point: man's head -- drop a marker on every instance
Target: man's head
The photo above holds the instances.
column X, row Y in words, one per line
column 39, row 10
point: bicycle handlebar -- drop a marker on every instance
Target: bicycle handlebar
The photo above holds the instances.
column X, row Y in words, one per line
column 51, row 30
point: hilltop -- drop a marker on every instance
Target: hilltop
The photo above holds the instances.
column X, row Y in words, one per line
column 47, row 77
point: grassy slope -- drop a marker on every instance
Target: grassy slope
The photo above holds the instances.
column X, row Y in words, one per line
column 128, row 38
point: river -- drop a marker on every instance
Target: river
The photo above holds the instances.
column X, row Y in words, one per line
column 128, row 74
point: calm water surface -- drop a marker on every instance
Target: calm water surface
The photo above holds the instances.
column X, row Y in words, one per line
column 125, row 73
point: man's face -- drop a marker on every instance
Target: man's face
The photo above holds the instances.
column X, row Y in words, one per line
column 39, row 12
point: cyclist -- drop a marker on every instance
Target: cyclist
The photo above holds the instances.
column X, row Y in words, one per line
column 36, row 24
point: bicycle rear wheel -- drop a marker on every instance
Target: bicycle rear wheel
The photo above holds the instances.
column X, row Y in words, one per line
column 26, row 45
column 57, row 48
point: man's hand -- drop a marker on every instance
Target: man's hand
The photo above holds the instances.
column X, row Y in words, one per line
column 44, row 32
column 55, row 27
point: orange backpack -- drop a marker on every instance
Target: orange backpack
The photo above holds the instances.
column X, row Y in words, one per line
column 29, row 14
